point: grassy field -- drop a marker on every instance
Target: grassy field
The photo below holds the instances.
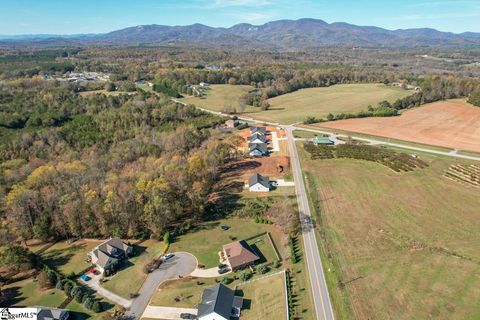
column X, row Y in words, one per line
column 207, row 251
column 188, row 290
column 263, row 299
column 319, row 102
column 28, row 293
column 131, row 278
column 218, row 96
column 68, row 258
column 405, row 246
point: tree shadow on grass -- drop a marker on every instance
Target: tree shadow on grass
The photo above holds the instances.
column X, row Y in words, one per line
column 11, row 296
column 75, row 315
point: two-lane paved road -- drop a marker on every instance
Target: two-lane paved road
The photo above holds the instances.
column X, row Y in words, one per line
column 321, row 298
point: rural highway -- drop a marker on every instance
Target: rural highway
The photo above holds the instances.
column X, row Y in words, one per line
column 321, row 298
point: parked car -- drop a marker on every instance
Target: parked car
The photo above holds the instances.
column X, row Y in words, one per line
column 222, row 265
column 84, row 277
column 187, row 316
column 167, row 256
column 223, row 270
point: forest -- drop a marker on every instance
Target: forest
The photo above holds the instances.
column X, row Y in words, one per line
column 126, row 165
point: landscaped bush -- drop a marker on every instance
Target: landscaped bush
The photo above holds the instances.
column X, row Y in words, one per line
column 166, row 238
column 67, row 288
column 97, row 307
column 227, row 280
column 245, row 275
column 88, row 303
column 60, row 284
column 262, row 269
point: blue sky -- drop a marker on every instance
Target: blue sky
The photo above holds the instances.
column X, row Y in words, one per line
column 96, row 16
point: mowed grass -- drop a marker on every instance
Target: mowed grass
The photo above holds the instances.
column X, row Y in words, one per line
column 319, row 102
column 187, row 291
column 69, row 257
column 264, row 299
column 205, row 242
column 409, row 242
column 130, row 279
column 219, row 96
column 27, row 293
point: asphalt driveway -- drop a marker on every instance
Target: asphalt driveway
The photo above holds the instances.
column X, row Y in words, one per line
column 182, row 264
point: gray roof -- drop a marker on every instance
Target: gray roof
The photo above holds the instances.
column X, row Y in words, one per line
column 106, row 251
column 262, row 130
column 258, row 178
column 257, row 135
column 44, row 313
column 103, row 258
column 262, row 147
column 218, row 299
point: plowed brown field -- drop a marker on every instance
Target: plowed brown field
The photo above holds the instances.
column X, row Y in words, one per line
column 452, row 124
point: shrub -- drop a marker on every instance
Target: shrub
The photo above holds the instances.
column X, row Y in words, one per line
column 97, row 307
column 245, row 275
column 79, row 296
column 227, row 280
column 257, row 220
column 84, row 298
column 262, row 269
column 88, row 303
column 166, row 238
column 67, row 288
column 60, row 284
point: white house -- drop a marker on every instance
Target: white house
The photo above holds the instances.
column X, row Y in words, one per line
column 219, row 303
column 258, row 183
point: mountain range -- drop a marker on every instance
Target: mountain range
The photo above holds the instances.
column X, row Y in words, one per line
column 280, row 34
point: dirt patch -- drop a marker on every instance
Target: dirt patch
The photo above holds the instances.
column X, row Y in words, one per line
column 273, row 167
column 453, row 124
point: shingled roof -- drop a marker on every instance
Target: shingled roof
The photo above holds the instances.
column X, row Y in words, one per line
column 217, row 299
column 239, row 253
column 258, row 178
column 262, row 147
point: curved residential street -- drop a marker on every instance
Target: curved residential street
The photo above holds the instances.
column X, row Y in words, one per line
column 181, row 264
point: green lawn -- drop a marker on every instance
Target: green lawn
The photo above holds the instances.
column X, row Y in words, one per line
column 407, row 244
column 131, row 278
column 218, row 96
column 187, row 290
column 319, row 102
column 264, row 299
column 261, row 245
column 27, row 293
column 207, row 241
column 68, row 258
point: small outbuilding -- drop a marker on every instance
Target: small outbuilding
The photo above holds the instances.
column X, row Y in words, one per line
column 259, row 183
column 231, row 123
column 324, row 141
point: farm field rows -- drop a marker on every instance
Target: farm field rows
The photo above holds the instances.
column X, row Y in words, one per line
column 451, row 124
column 410, row 250
column 319, row 102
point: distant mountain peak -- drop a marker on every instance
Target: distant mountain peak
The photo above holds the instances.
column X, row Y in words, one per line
column 281, row 34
